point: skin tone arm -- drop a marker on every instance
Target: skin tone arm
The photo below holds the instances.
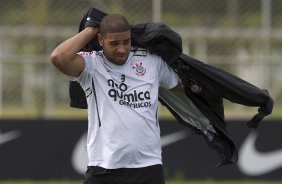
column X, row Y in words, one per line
column 65, row 57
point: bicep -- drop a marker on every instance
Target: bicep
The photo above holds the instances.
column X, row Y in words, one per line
column 73, row 67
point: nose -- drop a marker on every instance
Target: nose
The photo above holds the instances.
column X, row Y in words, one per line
column 121, row 50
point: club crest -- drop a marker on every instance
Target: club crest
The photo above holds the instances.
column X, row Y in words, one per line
column 140, row 70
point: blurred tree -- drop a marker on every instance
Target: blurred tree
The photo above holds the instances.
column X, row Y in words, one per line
column 232, row 11
column 37, row 11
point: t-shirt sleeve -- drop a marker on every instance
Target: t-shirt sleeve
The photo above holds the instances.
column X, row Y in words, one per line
column 89, row 58
column 167, row 77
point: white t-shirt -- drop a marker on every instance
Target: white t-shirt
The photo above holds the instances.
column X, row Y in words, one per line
column 123, row 129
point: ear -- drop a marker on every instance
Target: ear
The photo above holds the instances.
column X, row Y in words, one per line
column 100, row 39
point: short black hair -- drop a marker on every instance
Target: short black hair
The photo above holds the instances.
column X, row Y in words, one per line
column 113, row 23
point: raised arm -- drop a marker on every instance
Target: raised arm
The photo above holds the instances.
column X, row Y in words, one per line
column 65, row 57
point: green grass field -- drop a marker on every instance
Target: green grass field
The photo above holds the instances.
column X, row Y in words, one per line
column 168, row 182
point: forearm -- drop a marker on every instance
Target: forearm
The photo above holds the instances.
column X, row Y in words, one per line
column 67, row 50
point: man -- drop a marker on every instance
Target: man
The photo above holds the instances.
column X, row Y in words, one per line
column 121, row 85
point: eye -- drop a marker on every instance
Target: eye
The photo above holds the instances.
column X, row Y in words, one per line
column 114, row 44
column 126, row 42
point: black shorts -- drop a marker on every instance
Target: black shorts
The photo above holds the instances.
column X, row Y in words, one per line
column 145, row 175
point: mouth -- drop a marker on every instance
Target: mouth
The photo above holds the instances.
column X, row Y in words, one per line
column 121, row 57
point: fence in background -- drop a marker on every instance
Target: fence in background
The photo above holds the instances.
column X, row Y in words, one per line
column 243, row 37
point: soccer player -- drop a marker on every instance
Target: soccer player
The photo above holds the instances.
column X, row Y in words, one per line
column 121, row 84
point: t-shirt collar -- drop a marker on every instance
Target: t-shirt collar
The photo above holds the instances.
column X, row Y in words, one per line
column 112, row 65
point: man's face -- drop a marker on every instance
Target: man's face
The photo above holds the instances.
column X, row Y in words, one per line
column 116, row 46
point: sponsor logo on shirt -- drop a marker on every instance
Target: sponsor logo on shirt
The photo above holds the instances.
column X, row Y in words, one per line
column 86, row 53
column 140, row 52
column 135, row 99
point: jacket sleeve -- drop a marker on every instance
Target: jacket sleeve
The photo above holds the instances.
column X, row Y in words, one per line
column 230, row 87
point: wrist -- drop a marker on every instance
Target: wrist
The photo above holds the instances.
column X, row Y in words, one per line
column 91, row 31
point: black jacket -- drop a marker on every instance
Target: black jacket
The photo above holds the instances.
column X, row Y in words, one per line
column 199, row 106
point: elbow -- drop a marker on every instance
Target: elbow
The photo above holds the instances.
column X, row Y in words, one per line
column 56, row 58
